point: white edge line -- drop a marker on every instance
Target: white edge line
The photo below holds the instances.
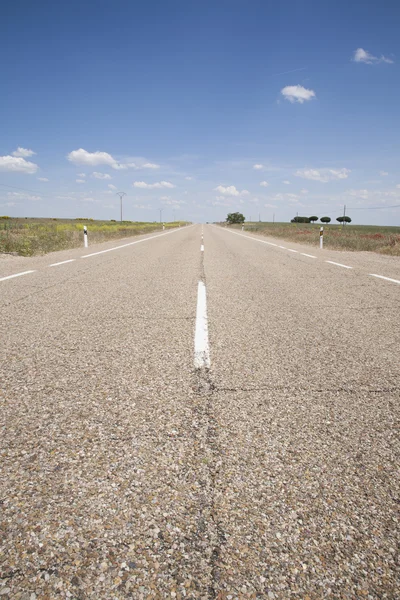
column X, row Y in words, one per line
column 132, row 243
column 338, row 264
column 16, row 275
column 309, row 255
column 202, row 248
column 201, row 345
column 386, row 278
column 283, row 247
column 291, row 250
column 63, row 262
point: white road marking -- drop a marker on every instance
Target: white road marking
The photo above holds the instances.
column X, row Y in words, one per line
column 290, row 250
column 202, row 248
column 16, row 275
column 283, row 247
column 309, row 255
column 338, row 264
column 201, row 345
column 386, row 278
column 63, row 262
column 131, row 243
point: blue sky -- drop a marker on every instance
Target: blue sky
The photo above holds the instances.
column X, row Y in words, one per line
column 200, row 108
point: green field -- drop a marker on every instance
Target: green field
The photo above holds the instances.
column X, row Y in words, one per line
column 29, row 237
column 385, row 240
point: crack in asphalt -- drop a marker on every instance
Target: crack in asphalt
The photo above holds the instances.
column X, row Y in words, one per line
column 208, row 433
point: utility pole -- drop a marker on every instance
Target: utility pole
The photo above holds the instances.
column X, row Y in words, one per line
column 344, row 214
column 259, row 217
column 273, row 219
column 121, row 195
column 161, row 210
column 173, row 212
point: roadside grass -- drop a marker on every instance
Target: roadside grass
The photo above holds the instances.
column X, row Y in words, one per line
column 29, row 237
column 369, row 238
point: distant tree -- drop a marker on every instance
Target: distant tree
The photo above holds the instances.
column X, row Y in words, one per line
column 343, row 220
column 313, row 219
column 325, row 219
column 235, row 217
column 300, row 220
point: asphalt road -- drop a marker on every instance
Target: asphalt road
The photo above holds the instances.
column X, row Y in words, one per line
column 128, row 470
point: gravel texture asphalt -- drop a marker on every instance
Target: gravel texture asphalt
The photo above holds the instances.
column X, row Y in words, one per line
column 126, row 473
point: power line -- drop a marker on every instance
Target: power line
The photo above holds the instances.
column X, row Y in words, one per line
column 26, row 190
column 373, row 207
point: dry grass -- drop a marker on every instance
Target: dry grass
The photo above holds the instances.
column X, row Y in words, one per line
column 385, row 240
column 29, row 237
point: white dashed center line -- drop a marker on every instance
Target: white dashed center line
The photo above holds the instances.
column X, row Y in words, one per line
column 338, row 264
column 309, row 255
column 201, row 345
column 386, row 278
column 64, row 262
column 202, row 248
column 16, row 275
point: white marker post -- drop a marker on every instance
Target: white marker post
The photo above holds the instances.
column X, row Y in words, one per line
column 85, row 240
column 242, row 227
column 163, row 226
column 321, row 238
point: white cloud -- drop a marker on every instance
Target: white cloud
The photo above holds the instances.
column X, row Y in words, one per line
column 398, row 185
column 89, row 200
column 220, row 201
column 16, row 164
column 112, row 187
column 23, row 152
column 173, row 202
column 80, row 180
column 383, row 173
column 42, row 179
column 264, row 183
column 81, row 174
column 23, row 196
column 149, row 166
column 303, row 191
column 93, row 159
column 258, row 167
column 150, row 186
column 143, row 206
column 97, row 175
column 286, row 182
column 364, row 194
column 361, row 55
column 188, row 178
column 9, row 204
column 297, row 93
column 165, row 197
column 323, row 175
column 230, row 191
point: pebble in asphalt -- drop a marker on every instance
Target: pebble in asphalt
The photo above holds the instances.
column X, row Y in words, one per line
column 126, row 474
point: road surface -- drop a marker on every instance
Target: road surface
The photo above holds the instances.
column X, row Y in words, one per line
column 188, row 416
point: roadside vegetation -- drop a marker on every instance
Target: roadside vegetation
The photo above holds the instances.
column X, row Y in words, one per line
column 29, row 237
column 385, row 240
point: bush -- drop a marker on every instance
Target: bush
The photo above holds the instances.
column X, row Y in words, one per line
column 4, row 217
column 236, row 217
column 301, row 220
